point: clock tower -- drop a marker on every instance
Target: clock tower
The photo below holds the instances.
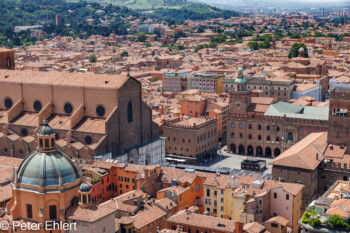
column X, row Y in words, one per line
column 240, row 98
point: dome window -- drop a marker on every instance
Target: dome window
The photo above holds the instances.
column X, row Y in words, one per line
column 37, row 105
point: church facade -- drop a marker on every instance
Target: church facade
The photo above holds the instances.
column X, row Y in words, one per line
column 90, row 114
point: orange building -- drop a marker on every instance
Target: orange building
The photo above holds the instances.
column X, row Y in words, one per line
column 193, row 106
column 43, row 188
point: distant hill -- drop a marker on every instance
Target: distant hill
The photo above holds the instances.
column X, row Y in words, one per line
column 144, row 4
column 176, row 9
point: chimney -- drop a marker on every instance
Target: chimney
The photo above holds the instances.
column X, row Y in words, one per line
column 316, row 156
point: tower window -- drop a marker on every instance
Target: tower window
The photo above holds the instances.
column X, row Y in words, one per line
column 47, row 142
column 129, row 110
column 53, row 212
column 29, row 211
column 40, row 143
column 8, row 62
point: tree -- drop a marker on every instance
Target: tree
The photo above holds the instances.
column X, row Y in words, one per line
column 253, row 45
column 200, row 29
column 92, row 58
column 334, row 221
column 294, row 51
column 141, row 37
column 148, row 44
column 153, row 53
column 124, row 54
column 315, row 222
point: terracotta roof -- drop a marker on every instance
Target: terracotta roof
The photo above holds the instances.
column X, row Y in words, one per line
column 253, row 227
column 90, row 213
column 304, row 153
column 63, row 79
column 186, row 217
column 279, row 220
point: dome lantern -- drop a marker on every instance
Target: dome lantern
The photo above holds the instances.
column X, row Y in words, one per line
column 46, row 137
column 84, row 194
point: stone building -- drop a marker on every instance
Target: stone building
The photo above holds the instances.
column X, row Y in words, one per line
column 174, row 82
column 281, row 89
column 263, row 126
column 190, row 140
column 206, row 82
column 90, row 114
column 320, row 159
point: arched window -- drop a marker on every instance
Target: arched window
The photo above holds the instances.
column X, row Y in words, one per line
column 290, row 136
column 250, row 126
column 277, row 128
column 268, row 138
column 277, row 139
column 8, row 62
column 259, row 137
column 259, row 127
column 250, row 136
column 130, row 112
column 268, row 127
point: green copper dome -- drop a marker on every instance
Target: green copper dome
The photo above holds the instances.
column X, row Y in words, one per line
column 47, row 169
column 84, row 187
column 240, row 80
column 45, row 129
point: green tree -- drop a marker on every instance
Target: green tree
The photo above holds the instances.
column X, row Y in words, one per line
column 315, row 222
column 294, row 51
column 253, row 45
column 124, row 54
column 200, row 29
column 92, row 58
column 148, row 45
column 141, row 37
column 335, row 221
column 153, row 53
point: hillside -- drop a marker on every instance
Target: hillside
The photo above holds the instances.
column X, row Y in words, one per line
column 177, row 10
column 143, row 4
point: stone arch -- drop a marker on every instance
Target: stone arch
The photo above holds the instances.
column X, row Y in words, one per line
column 233, row 148
column 259, row 151
column 241, row 150
column 276, row 152
column 250, row 150
column 268, row 152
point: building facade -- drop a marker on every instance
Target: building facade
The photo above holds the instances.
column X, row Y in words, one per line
column 90, row 114
column 190, row 140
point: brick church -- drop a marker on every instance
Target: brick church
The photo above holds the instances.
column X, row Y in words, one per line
column 93, row 116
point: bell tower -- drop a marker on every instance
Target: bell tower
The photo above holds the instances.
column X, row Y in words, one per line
column 240, row 98
column 339, row 117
